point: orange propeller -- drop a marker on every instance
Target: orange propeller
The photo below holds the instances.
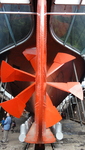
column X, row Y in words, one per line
column 9, row 74
column 60, row 60
column 30, row 55
column 16, row 105
column 52, row 115
column 70, row 87
column 19, row 102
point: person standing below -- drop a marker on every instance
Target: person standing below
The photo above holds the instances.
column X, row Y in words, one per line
column 7, row 126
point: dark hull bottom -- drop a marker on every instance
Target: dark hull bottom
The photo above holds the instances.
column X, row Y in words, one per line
column 65, row 74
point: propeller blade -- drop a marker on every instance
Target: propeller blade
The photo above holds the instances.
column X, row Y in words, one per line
column 15, row 107
column 30, row 55
column 52, row 114
column 9, row 74
column 60, row 59
column 71, row 87
column 27, row 93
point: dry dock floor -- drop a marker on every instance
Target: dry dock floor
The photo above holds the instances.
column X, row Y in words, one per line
column 74, row 138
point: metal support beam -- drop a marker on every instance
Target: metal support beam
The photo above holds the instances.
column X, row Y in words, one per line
column 71, row 108
column 76, row 98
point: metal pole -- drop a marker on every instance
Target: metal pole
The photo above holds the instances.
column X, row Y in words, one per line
column 4, row 92
column 48, row 13
column 16, row 12
column 65, row 13
column 71, row 109
column 67, row 110
column 81, row 101
column 76, row 97
column 9, row 27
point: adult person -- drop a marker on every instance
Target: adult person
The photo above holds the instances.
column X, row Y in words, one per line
column 7, row 126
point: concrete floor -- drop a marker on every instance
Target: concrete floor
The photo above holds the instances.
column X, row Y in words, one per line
column 74, row 138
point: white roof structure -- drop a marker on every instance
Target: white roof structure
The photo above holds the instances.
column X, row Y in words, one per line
column 15, row 1
column 72, row 2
